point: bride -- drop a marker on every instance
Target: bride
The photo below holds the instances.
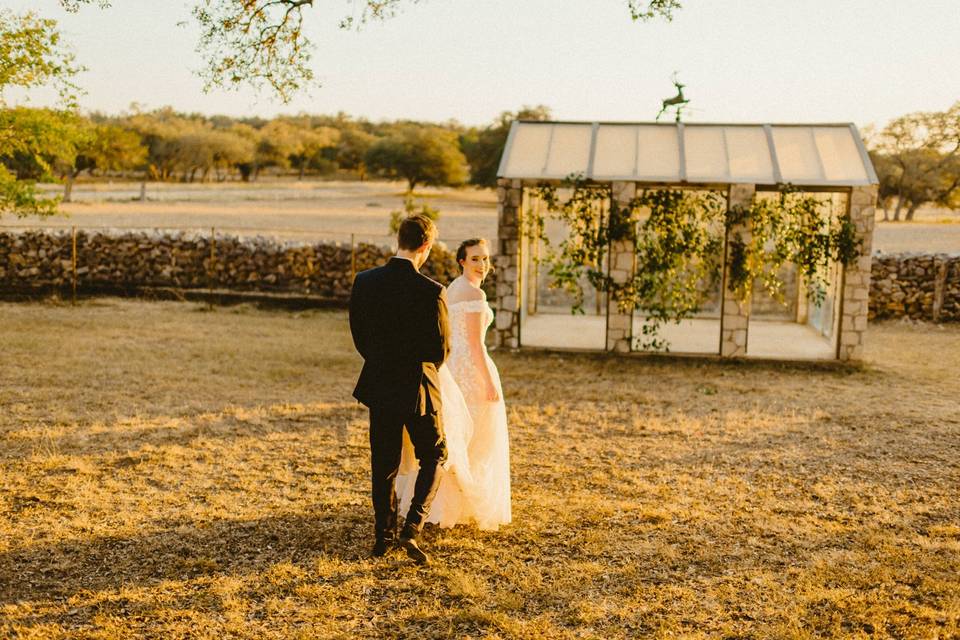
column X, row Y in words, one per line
column 475, row 479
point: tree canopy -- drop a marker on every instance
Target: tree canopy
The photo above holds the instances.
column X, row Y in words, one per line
column 419, row 155
column 32, row 55
column 262, row 42
column 917, row 158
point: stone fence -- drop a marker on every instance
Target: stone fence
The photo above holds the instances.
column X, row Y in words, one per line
column 919, row 286
column 129, row 263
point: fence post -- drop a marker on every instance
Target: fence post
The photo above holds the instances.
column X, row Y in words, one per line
column 73, row 263
column 213, row 263
column 353, row 258
column 939, row 287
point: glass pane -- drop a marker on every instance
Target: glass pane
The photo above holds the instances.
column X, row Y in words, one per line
column 705, row 153
column 749, row 154
column 569, row 150
column 528, row 153
column 546, row 318
column 797, row 154
column 616, row 153
column 658, row 155
column 839, row 154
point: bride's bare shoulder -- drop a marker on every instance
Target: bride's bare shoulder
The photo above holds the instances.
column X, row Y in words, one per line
column 462, row 291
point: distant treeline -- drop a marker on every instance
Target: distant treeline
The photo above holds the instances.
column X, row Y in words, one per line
column 166, row 145
column 917, row 156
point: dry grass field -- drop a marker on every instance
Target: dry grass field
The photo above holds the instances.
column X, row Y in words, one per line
column 314, row 210
column 173, row 471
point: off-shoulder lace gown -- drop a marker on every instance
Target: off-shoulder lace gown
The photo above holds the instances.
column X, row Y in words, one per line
column 475, row 480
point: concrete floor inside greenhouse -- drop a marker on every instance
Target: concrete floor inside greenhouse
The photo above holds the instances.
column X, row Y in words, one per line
column 766, row 338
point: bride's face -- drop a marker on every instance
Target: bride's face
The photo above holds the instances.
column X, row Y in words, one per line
column 477, row 262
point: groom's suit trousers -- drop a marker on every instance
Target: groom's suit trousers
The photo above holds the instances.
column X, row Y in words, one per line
column 386, row 442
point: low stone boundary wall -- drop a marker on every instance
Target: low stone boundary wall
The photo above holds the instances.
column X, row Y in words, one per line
column 128, row 262
column 917, row 286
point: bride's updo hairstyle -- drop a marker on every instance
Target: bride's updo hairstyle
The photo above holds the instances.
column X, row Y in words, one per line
column 466, row 244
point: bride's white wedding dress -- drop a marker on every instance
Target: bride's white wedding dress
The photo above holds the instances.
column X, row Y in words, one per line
column 475, row 479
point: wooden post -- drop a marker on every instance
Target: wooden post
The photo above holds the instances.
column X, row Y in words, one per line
column 353, row 257
column 533, row 282
column 73, row 262
column 213, row 262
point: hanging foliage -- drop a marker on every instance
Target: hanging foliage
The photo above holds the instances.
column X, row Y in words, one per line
column 677, row 237
column 793, row 228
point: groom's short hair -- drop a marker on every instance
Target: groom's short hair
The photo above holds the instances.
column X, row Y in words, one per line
column 415, row 231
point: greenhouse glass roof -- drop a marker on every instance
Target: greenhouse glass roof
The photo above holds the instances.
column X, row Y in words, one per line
column 812, row 155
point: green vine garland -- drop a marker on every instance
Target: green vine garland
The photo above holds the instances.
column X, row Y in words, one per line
column 678, row 237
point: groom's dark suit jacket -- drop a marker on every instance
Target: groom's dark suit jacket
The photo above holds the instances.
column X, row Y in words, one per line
column 398, row 318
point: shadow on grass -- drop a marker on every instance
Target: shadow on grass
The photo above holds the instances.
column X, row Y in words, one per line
column 128, row 435
column 184, row 552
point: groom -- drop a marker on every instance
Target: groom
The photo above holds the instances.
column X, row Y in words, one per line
column 398, row 319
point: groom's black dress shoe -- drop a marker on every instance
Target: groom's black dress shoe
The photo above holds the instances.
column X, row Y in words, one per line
column 414, row 552
column 383, row 545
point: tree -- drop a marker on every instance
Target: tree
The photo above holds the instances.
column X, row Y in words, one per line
column 917, row 158
column 261, row 42
column 310, row 148
column 483, row 149
column 103, row 147
column 31, row 56
column 420, row 155
column 352, row 150
column 278, row 140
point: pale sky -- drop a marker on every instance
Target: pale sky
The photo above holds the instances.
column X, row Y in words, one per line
column 864, row 61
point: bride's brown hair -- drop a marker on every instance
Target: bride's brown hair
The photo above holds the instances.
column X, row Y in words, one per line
column 466, row 244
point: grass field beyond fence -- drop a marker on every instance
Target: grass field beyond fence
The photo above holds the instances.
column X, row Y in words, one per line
column 173, row 471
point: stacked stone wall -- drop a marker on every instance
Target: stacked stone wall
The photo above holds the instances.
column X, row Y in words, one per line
column 129, row 262
column 917, row 286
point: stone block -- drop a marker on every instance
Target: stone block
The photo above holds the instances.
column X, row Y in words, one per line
column 850, row 338
column 619, row 275
column 861, row 293
column 508, row 302
column 860, row 323
column 733, row 323
column 505, row 319
column 740, row 338
column 732, row 308
column 622, row 346
column 863, row 197
column 623, row 260
column 515, row 197
column 623, row 192
column 619, row 322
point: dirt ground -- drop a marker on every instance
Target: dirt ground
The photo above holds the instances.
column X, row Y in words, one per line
column 169, row 470
column 314, row 210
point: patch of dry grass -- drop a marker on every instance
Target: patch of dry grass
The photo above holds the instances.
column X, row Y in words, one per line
column 170, row 471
